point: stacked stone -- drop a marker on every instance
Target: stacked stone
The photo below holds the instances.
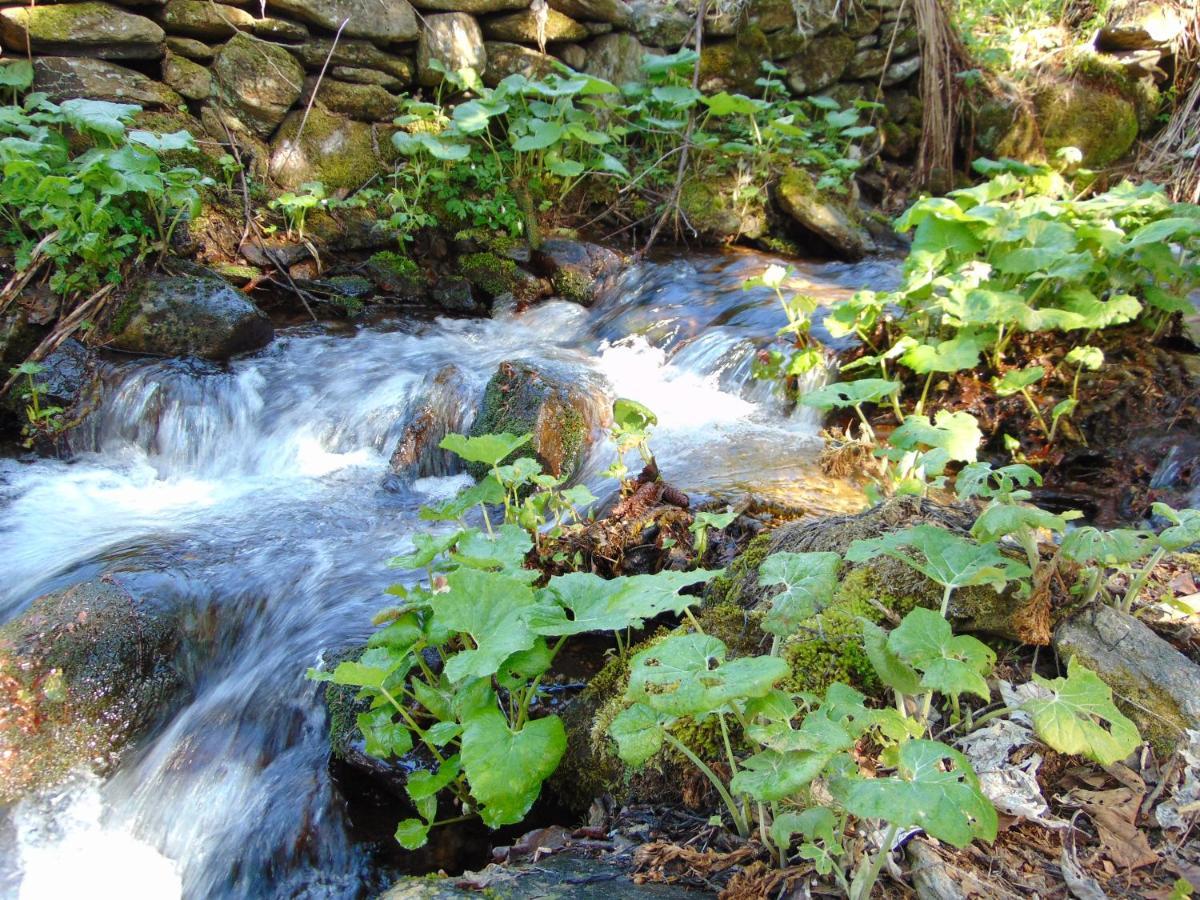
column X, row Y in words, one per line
column 250, row 68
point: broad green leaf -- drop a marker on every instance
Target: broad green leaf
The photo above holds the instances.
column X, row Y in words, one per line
column 809, row 581
column 163, row 143
column 423, row 784
column 412, row 834
column 1086, row 357
column 492, row 608
column 948, row 559
column 631, row 415
column 639, row 733
column 1119, row 547
column 1080, row 717
column 1016, row 380
column 953, row 355
column 427, row 548
column 949, row 664
column 893, row 671
column 817, row 823
column 726, row 104
column 98, row 116
column 488, row 449
column 1001, row 519
column 1097, row 313
column 1164, row 231
column 489, row 491
column 955, row 432
column 579, row 602
column 676, row 95
column 506, row 768
column 542, row 134
column 979, row 479
column 1186, row 528
column 769, row 775
column 851, row 393
column 505, row 549
column 945, row 802
column 16, row 74
column 384, row 737
column 687, row 675
column 524, row 666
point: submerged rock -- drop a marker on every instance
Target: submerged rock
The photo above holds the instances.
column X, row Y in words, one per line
column 564, row 876
column 195, row 313
column 82, row 672
column 522, row 397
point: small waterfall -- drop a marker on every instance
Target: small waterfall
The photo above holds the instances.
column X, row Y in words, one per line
column 251, row 498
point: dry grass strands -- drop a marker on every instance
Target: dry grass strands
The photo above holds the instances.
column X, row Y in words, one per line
column 943, row 56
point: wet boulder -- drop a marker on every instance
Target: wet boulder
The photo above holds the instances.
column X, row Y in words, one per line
column 555, row 407
column 193, row 313
column 83, row 671
column 417, row 454
column 828, row 219
column 562, row 876
column 577, row 270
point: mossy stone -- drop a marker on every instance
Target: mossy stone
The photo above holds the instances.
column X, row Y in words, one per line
column 496, row 275
column 524, row 28
column 712, row 208
column 83, row 671
column 828, row 218
column 734, row 65
column 1095, row 118
column 98, row 30
column 820, row 64
column 526, row 398
column 259, row 81
column 339, row 152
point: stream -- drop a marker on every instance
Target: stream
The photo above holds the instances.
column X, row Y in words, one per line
column 256, row 499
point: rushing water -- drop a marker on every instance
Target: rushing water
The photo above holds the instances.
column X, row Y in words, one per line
column 254, row 499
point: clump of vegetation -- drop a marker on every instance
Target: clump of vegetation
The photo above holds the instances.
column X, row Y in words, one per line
column 497, row 160
column 85, row 214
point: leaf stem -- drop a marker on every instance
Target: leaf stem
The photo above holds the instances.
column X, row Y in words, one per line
column 738, row 819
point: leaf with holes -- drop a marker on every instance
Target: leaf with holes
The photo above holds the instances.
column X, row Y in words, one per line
column 580, row 601
column 687, row 675
column 490, row 607
column 1079, row 717
column 949, row 664
column 943, row 800
column 808, row 580
column 948, row 559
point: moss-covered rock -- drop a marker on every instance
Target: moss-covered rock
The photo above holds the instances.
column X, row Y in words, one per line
column 558, row 411
column 396, row 275
column 195, row 313
column 524, row 28
column 504, row 59
column 1094, row 117
column 617, row 58
column 94, row 29
column 393, row 22
column 578, row 270
column 82, row 672
column 338, row 152
column 496, row 275
column 191, row 79
column 64, row 78
column 827, row 218
column 820, row 63
column 722, row 211
column 364, row 102
column 204, row 20
column 258, row 81
column 734, row 65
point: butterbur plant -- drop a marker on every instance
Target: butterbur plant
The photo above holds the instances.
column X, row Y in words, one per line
column 455, row 673
column 632, row 423
column 805, row 354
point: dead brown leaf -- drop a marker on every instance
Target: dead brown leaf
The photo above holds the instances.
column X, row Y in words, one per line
column 1114, row 813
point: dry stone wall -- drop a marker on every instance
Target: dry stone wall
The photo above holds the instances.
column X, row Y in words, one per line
column 249, row 68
